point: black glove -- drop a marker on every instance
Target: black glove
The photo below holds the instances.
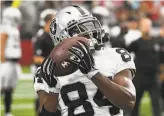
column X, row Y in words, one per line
column 47, row 72
column 45, row 79
column 81, row 56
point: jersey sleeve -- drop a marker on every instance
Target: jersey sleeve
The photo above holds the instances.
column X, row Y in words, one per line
column 124, row 61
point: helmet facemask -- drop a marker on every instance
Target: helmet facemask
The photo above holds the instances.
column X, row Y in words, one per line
column 88, row 27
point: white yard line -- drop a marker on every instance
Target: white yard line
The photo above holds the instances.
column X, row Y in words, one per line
column 24, row 96
column 19, row 106
column 26, row 76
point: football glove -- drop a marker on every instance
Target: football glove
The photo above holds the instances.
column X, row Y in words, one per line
column 81, row 56
column 45, row 79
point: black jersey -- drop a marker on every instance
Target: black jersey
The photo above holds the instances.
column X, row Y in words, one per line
column 43, row 45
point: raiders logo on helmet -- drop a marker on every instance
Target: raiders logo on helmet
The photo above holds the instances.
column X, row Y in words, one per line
column 53, row 27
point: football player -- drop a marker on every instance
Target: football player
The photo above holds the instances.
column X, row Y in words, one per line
column 10, row 54
column 102, row 85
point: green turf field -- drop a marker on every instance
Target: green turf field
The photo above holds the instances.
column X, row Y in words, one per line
column 23, row 103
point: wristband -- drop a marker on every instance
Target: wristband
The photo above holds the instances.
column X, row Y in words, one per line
column 92, row 73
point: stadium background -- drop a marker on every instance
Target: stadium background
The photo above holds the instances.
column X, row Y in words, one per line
column 24, row 95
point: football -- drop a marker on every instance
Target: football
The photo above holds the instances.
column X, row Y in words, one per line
column 60, row 55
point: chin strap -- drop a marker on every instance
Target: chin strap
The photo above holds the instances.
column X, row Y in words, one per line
column 92, row 73
column 106, row 37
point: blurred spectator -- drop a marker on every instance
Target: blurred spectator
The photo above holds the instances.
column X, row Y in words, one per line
column 161, row 39
column 134, row 4
column 42, row 42
column 5, row 3
column 146, row 59
column 122, row 14
column 84, row 3
column 133, row 32
column 117, row 35
column 162, row 12
column 102, row 14
column 162, row 44
column 29, row 18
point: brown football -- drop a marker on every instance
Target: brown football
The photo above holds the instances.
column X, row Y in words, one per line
column 60, row 55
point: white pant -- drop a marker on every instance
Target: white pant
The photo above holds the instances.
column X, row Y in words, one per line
column 9, row 74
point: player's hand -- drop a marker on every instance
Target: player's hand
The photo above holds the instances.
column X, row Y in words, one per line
column 39, row 83
column 45, row 79
column 81, row 56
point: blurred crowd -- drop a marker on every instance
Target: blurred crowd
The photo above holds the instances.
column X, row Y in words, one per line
column 137, row 26
column 119, row 11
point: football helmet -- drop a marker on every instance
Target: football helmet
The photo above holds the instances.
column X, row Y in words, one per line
column 11, row 16
column 76, row 21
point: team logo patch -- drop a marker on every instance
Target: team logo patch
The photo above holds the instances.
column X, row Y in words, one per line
column 65, row 64
column 53, row 27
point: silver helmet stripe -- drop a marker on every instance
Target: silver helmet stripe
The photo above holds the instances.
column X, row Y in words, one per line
column 79, row 9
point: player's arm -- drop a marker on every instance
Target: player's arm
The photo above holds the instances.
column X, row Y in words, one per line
column 3, row 42
column 120, row 91
column 47, row 87
column 47, row 103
